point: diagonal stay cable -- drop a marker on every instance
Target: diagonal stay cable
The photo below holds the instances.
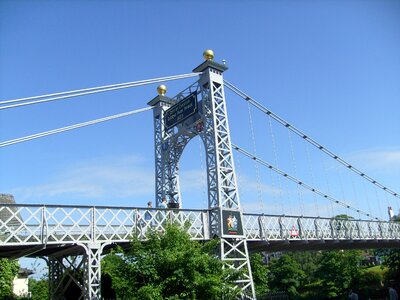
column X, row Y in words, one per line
column 297, row 181
column 62, row 129
column 89, row 91
column 308, row 139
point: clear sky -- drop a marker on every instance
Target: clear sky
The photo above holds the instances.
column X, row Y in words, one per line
column 331, row 68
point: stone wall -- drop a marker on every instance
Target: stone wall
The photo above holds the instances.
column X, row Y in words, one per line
column 9, row 215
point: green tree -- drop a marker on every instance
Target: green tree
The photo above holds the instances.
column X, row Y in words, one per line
column 338, row 271
column 308, row 261
column 392, row 261
column 8, row 271
column 370, row 284
column 170, row 266
column 38, row 288
column 285, row 275
column 344, row 216
column 260, row 274
column 396, row 218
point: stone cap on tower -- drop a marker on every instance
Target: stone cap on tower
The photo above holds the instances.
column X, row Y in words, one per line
column 209, row 63
column 161, row 98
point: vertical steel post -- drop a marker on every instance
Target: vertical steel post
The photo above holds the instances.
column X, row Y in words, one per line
column 92, row 271
column 161, row 104
column 223, row 197
column 210, row 122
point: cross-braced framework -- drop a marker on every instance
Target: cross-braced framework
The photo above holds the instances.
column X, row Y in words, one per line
column 83, row 269
column 71, row 236
column 79, row 269
column 92, row 271
column 210, row 122
column 64, row 271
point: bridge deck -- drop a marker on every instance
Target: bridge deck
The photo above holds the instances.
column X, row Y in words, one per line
column 36, row 230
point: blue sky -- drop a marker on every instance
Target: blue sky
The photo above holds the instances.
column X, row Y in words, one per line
column 331, row 68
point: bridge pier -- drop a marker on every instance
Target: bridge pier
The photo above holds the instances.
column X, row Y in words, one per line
column 65, row 277
column 55, row 277
column 76, row 276
column 92, row 271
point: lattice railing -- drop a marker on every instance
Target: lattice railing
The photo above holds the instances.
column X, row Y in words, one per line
column 269, row 227
column 34, row 224
column 51, row 224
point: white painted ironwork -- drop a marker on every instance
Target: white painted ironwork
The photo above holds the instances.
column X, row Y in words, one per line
column 210, row 123
column 55, row 225
column 92, row 270
column 56, row 228
column 63, row 272
column 280, row 228
column 73, row 237
column 87, row 225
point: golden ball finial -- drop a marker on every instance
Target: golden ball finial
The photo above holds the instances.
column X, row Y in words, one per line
column 161, row 90
column 208, row 54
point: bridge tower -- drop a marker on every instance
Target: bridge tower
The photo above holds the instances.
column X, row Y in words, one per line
column 200, row 110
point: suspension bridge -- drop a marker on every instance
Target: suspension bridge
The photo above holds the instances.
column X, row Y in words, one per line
column 72, row 238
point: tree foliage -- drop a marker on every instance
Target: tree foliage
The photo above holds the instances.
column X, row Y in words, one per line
column 338, row 271
column 8, row 271
column 392, row 261
column 260, row 274
column 308, row 262
column 170, row 266
column 285, row 275
column 38, row 288
column 344, row 216
column 370, row 284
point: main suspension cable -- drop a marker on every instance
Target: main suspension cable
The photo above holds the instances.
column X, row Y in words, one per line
column 89, row 91
column 294, row 179
column 308, row 139
column 59, row 130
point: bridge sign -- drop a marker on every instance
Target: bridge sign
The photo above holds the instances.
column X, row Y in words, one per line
column 232, row 223
column 181, row 111
column 294, row 232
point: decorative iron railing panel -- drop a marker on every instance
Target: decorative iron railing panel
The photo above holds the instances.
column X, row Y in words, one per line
column 270, row 228
column 34, row 224
column 51, row 224
column 253, row 227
